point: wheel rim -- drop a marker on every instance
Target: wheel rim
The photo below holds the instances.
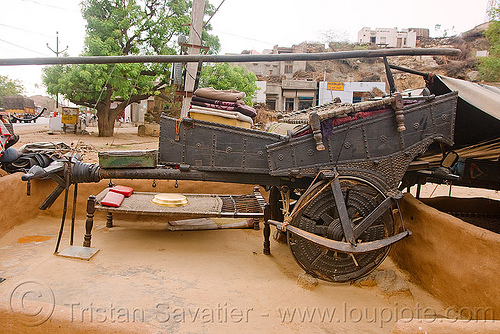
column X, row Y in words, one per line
column 320, row 216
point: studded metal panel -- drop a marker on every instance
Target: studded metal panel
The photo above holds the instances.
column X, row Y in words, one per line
column 370, row 146
column 210, row 146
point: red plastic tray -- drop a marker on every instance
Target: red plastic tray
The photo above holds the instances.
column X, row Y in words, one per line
column 113, row 199
column 124, row 190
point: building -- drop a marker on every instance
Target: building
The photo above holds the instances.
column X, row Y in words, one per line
column 277, row 68
column 291, row 94
column 280, row 91
column 135, row 112
column 347, row 92
column 388, row 37
column 422, row 33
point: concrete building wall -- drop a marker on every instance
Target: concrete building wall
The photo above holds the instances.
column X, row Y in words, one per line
column 262, row 68
column 298, row 94
column 421, row 32
column 328, row 91
column 390, row 37
column 278, row 68
column 260, row 95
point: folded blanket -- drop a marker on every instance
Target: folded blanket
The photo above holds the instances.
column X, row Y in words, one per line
column 222, row 113
column 222, row 95
column 212, row 101
column 213, row 106
column 223, row 105
column 246, row 110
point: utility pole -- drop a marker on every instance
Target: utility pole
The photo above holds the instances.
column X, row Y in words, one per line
column 57, row 52
column 194, row 48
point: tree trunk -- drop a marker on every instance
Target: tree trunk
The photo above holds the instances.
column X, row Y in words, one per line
column 107, row 116
column 106, row 126
column 106, row 120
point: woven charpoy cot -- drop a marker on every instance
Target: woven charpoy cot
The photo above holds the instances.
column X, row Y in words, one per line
column 198, row 205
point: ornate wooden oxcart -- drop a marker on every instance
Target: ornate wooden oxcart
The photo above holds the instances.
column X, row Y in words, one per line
column 333, row 181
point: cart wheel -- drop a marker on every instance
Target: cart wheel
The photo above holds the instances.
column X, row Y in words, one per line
column 319, row 216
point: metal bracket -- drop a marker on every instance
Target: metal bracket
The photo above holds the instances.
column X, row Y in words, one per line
column 342, row 210
column 340, row 246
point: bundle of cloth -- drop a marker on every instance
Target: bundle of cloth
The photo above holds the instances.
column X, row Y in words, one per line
column 227, row 104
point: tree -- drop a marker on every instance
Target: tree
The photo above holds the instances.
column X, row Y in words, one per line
column 123, row 27
column 9, row 87
column 225, row 76
column 489, row 68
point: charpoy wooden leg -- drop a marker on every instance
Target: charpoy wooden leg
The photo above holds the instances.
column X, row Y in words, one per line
column 90, row 221
column 109, row 220
column 267, row 230
column 256, row 224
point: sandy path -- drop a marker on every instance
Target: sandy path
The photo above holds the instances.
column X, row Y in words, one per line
column 169, row 277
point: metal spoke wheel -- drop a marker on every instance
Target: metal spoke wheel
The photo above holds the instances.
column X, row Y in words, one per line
column 319, row 216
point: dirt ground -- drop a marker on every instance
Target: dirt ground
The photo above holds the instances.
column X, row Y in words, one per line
column 147, row 279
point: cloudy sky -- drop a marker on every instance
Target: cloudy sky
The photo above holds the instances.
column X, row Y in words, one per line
column 26, row 26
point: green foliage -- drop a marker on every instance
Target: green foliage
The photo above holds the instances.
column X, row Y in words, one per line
column 489, row 68
column 123, row 27
column 225, row 76
column 9, row 87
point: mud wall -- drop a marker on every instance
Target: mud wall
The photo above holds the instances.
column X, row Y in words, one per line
column 454, row 261
column 17, row 207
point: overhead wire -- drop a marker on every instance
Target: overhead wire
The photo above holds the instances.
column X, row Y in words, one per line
column 28, row 31
column 22, row 47
column 51, row 6
column 216, row 10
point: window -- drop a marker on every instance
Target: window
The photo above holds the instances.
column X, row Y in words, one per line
column 288, row 69
column 289, row 104
column 271, row 103
column 305, row 102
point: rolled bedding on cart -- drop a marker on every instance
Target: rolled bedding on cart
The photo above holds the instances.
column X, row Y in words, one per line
column 221, row 106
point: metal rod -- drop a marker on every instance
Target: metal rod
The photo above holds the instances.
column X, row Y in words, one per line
column 75, row 195
column 65, row 208
column 176, row 174
column 409, row 70
column 229, row 58
column 390, row 78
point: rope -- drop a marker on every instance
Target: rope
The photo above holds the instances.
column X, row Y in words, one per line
column 297, row 209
